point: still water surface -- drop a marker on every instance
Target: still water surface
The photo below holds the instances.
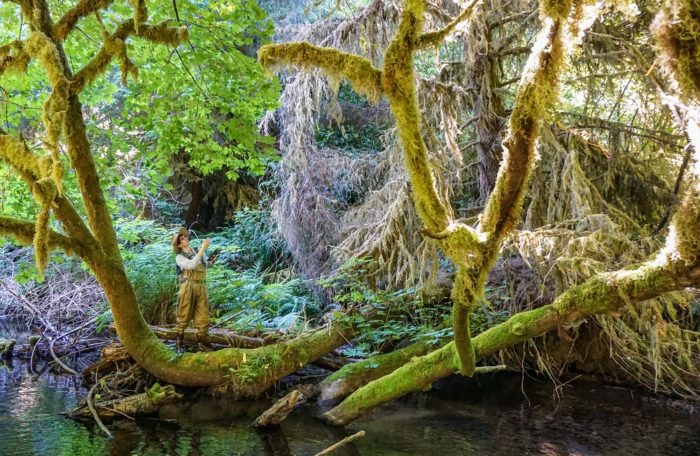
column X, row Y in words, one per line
column 498, row 415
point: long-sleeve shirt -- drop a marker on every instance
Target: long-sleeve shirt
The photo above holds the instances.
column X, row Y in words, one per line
column 185, row 263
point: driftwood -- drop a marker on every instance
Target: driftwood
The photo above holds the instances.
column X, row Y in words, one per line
column 283, row 407
column 131, row 406
column 345, row 441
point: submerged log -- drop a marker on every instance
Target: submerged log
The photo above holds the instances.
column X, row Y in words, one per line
column 142, row 404
column 283, row 407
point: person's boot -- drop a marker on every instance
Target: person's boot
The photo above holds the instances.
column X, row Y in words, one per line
column 203, row 343
column 179, row 349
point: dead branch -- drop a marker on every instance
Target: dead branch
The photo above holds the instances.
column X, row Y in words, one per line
column 345, row 441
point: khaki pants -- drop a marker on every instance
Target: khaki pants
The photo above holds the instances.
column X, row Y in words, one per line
column 193, row 303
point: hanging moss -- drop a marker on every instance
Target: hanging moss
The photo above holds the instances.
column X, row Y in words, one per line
column 13, row 57
column 82, row 9
column 140, row 13
column 44, row 192
column 16, row 153
column 163, row 33
column 677, row 32
column 555, row 9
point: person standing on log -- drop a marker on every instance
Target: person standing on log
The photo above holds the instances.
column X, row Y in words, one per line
column 192, row 298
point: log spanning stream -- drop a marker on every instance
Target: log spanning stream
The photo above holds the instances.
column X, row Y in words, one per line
column 502, row 414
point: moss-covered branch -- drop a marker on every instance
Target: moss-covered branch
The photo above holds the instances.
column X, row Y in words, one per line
column 353, row 376
column 68, row 21
column 30, row 168
column 398, row 83
column 114, row 46
column 23, row 231
column 603, row 294
column 358, row 71
column 537, row 94
column 436, row 37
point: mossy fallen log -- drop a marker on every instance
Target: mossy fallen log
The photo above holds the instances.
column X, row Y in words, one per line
column 344, row 382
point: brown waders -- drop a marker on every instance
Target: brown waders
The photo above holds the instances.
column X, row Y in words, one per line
column 193, row 304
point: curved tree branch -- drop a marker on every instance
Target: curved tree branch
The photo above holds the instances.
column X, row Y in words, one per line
column 23, row 232
column 436, row 37
column 362, row 75
column 68, row 21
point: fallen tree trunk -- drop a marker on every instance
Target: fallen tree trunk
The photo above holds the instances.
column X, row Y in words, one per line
column 344, row 382
column 137, row 405
column 216, row 336
column 603, row 294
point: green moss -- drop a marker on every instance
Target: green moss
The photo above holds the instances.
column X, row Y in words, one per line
column 140, row 13
column 555, row 9
column 538, row 92
column 163, row 33
column 685, row 227
column 13, row 57
column 68, row 21
column 677, row 32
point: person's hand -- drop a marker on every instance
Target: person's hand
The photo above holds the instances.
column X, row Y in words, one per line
column 206, row 244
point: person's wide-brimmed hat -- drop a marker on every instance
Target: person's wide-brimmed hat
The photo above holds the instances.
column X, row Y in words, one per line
column 176, row 238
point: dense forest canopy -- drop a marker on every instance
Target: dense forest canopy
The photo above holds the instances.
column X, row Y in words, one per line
column 517, row 167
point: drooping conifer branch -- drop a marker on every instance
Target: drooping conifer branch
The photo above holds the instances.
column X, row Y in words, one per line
column 436, row 37
column 358, row 71
column 70, row 19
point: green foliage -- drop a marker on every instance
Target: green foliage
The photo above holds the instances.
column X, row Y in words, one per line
column 351, row 138
column 237, row 282
column 150, row 265
column 253, row 242
column 214, row 93
column 201, row 101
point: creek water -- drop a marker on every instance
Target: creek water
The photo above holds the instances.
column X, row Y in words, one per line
column 501, row 414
